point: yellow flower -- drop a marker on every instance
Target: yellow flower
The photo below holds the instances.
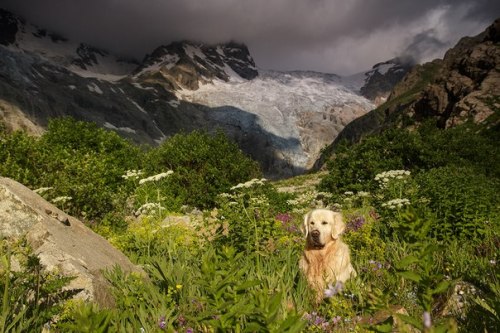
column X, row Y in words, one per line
column 179, row 286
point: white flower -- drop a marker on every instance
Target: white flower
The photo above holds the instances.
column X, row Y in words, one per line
column 396, row 203
column 386, row 176
column 249, row 183
column 62, row 199
column 132, row 174
column 42, row 190
column 348, row 193
column 156, row 177
column 148, row 208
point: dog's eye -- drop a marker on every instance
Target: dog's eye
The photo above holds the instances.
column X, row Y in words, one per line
column 312, row 222
column 324, row 223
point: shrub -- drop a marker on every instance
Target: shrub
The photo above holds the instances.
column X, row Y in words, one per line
column 86, row 163
column 463, row 201
column 204, row 166
column 31, row 296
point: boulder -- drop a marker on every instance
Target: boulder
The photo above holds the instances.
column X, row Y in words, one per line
column 62, row 242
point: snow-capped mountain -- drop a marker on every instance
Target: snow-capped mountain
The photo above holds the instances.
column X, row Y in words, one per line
column 377, row 83
column 80, row 58
column 282, row 119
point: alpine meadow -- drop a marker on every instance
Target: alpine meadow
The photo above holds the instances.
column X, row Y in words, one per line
column 189, row 175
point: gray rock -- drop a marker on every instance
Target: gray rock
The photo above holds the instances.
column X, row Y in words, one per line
column 62, row 242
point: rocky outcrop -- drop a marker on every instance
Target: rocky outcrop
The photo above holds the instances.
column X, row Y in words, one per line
column 382, row 78
column 61, row 242
column 186, row 65
column 464, row 86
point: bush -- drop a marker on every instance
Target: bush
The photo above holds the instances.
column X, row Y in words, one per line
column 463, row 201
column 354, row 166
column 79, row 165
column 204, row 166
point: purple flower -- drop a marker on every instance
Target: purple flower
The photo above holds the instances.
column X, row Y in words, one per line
column 181, row 320
column 284, row 218
column 189, row 330
column 355, row 224
column 336, row 320
column 162, row 323
column 333, row 290
column 375, row 265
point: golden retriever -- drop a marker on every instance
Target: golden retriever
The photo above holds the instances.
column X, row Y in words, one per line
column 326, row 259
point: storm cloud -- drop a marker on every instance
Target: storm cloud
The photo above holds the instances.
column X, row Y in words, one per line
column 334, row 36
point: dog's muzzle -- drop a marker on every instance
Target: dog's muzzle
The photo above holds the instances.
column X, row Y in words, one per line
column 315, row 240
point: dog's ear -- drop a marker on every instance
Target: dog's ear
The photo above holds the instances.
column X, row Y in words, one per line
column 305, row 226
column 338, row 225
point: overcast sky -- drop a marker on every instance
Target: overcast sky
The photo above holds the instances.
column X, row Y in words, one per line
column 336, row 36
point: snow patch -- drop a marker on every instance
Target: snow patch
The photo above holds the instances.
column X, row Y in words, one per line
column 174, row 103
column 122, row 129
column 93, row 87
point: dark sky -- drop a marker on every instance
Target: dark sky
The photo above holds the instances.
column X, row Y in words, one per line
column 336, row 36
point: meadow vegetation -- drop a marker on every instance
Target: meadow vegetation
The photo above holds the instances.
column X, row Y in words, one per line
column 422, row 210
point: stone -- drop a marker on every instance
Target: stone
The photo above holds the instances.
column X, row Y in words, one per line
column 62, row 242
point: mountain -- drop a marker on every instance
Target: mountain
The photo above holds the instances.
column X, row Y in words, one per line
column 463, row 86
column 377, row 83
column 281, row 119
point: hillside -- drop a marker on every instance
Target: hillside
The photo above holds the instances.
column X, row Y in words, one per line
column 463, row 86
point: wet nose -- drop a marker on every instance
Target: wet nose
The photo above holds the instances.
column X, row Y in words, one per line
column 315, row 233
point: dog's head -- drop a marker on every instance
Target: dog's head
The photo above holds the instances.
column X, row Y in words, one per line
column 322, row 226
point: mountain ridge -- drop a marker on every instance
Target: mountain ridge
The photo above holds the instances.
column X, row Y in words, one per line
column 281, row 119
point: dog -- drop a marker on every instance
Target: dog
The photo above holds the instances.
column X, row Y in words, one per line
column 326, row 258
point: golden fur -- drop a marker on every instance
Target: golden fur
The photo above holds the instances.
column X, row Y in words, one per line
column 326, row 259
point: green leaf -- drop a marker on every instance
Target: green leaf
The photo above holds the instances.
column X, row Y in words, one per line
column 410, row 320
column 409, row 275
column 383, row 327
column 441, row 287
column 407, row 261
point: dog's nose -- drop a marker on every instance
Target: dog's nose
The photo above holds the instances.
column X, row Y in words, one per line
column 315, row 233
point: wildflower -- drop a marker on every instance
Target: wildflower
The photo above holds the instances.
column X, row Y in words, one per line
column 363, row 194
column 384, row 177
column 249, row 183
column 284, row 218
column 336, row 320
column 355, row 224
column 162, row 323
column 181, row 320
column 148, row 208
column 42, row 190
column 132, row 174
column 396, row 203
column 179, row 286
column 62, row 199
column 189, row 330
column 156, row 177
column 375, row 265
column 333, row 290
column 349, row 193
column 427, row 319
column 493, row 262
column 142, row 330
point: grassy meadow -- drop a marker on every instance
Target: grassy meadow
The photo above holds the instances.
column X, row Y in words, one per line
column 220, row 245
